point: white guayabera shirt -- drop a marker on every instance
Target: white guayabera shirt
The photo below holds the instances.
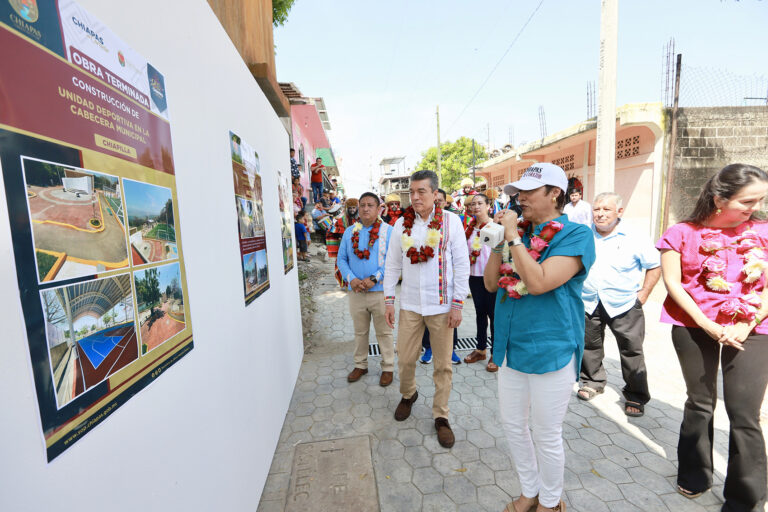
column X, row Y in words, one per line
column 442, row 282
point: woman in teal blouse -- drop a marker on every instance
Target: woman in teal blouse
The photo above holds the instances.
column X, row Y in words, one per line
column 539, row 331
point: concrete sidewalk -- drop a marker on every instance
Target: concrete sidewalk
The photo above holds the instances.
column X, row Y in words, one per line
column 613, row 463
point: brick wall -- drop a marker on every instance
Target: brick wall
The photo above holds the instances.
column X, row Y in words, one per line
column 709, row 138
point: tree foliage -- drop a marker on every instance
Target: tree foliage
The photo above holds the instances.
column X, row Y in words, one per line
column 280, row 9
column 455, row 161
column 148, row 288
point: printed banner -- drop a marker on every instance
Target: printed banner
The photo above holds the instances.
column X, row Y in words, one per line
column 87, row 162
column 285, row 192
column 250, row 218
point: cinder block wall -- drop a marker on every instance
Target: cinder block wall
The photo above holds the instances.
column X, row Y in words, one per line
column 709, row 138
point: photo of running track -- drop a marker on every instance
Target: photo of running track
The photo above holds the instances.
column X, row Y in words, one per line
column 91, row 333
column 78, row 223
column 150, row 222
column 160, row 301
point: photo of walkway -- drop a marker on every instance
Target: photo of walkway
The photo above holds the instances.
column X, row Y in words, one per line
column 91, row 333
column 78, row 223
column 161, row 305
column 150, row 222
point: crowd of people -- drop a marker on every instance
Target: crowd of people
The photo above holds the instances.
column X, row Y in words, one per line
column 563, row 271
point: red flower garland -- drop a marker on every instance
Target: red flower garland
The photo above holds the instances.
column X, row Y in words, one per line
column 509, row 280
column 372, row 237
column 473, row 255
column 425, row 252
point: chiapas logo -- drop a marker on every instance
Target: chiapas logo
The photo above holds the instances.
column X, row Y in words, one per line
column 27, row 9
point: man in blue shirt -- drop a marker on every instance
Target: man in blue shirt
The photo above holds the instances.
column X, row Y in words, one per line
column 613, row 296
column 362, row 266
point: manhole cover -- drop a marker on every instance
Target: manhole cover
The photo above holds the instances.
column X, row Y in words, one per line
column 333, row 475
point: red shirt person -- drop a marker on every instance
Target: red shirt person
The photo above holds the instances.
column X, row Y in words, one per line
column 316, row 170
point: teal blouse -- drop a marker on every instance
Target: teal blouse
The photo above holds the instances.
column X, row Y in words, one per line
column 541, row 333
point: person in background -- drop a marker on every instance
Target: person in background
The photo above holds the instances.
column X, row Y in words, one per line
column 484, row 300
column 392, row 210
column 450, row 204
column 321, row 217
column 496, row 205
column 613, row 296
column 316, row 179
column 578, row 210
column 429, row 250
column 538, row 329
column 362, row 257
column 334, row 235
column 461, row 196
column 302, row 236
column 714, row 266
column 295, row 172
column 334, row 198
column 297, row 187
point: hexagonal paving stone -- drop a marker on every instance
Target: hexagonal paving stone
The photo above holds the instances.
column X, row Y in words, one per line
column 650, row 480
column 418, row 456
column 304, row 409
column 410, row 437
column 427, row 480
column 363, row 425
column 394, row 469
column 585, row 448
column 657, row 464
column 600, row 486
column 594, row 436
column 478, row 473
column 480, row 438
column 459, row 489
column 620, row 456
column 586, row 501
column 508, row 482
column 361, row 411
column 465, row 451
column 391, row 449
column 438, row 502
column 629, row 443
column 399, row 497
column 446, row 464
column 301, row 424
column 492, row 498
column 612, row 471
column 643, row 498
column 495, row 459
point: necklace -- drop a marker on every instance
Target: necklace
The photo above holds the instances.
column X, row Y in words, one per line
column 432, row 240
column 476, row 245
column 510, row 281
column 372, row 237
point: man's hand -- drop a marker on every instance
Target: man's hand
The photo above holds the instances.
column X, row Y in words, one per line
column 389, row 316
column 642, row 295
column 454, row 318
column 357, row 285
column 368, row 284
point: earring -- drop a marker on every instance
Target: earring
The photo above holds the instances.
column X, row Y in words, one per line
column 554, row 199
column 718, row 211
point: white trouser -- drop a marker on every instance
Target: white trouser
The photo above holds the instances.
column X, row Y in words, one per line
column 544, row 399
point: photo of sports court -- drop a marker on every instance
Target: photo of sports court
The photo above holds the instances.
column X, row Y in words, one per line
column 91, row 333
column 160, row 301
column 150, row 222
column 78, row 220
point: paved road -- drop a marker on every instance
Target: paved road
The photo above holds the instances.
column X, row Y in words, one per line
column 613, row 463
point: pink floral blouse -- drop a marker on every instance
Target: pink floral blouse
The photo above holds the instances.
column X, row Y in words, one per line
column 722, row 270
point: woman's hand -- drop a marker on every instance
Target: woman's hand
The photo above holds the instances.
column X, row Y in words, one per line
column 735, row 335
column 508, row 219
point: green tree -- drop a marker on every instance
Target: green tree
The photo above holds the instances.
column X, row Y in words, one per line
column 280, row 9
column 148, row 288
column 455, row 161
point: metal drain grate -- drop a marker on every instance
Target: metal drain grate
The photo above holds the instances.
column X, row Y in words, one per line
column 461, row 344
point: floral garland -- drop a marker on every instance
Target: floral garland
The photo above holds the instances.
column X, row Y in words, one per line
column 748, row 246
column 372, row 237
column 510, row 280
column 432, row 240
column 476, row 244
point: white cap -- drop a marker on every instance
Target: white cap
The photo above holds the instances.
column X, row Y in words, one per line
column 536, row 176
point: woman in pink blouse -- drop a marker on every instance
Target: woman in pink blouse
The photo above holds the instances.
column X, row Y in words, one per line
column 714, row 266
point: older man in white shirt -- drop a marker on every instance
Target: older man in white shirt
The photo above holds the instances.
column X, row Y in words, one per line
column 429, row 248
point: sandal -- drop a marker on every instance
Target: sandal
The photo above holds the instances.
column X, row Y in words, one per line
column 560, row 507
column 492, row 367
column 474, row 357
column 636, row 405
column 587, row 393
column 689, row 494
column 531, row 508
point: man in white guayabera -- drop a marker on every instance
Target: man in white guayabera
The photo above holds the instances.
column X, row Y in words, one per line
column 429, row 248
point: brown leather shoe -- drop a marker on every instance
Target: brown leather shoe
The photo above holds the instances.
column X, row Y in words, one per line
column 475, row 356
column 444, row 433
column 355, row 375
column 385, row 379
column 404, row 407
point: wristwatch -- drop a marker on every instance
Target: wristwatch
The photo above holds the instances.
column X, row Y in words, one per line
column 373, row 278
column 516, row 241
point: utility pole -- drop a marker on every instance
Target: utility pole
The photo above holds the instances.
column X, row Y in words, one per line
column 488, row 127
column 605, row 168
column 439, row 155
column 672, row 145
column 473, row 163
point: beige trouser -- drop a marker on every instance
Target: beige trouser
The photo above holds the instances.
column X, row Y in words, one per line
column 409, row 333
column 362, row 307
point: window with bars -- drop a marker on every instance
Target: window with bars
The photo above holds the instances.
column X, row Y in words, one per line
column 566, row 163
column 497, row 181
column 628, row 147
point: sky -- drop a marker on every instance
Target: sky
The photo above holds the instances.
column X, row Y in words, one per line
column 384, row 67
column 145, row 199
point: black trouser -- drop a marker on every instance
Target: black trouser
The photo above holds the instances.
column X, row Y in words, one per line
column 485, row 303
column 425, row 339
column 745, row 376
column 629, row 330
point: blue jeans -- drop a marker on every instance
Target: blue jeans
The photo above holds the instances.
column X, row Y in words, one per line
column 317, row 191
